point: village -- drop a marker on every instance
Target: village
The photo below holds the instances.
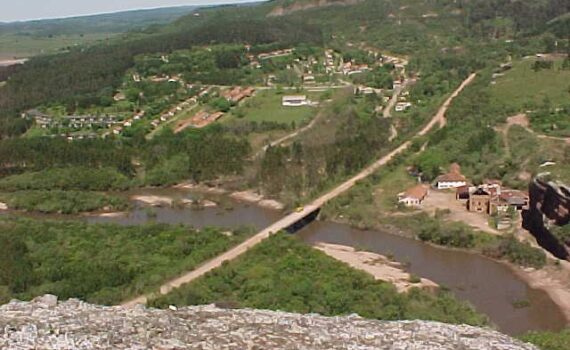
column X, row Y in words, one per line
column 488, row 206
column 199, row 105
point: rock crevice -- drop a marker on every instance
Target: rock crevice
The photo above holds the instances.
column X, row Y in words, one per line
column 549, row 205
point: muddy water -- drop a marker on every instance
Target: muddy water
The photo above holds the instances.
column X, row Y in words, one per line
column 490, row 286
column 228, row 213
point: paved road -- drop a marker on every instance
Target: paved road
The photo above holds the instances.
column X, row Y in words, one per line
column 292, row 218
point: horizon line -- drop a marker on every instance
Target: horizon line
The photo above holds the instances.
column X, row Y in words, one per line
column 37, row 19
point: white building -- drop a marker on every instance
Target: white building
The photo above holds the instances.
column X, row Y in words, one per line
column 403, row 106
column 450, row 180
column 295, row 101
column 413, row 197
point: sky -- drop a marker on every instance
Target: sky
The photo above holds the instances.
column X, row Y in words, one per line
column 18, row 10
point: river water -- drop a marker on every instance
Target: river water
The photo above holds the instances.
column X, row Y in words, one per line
column 488, row 285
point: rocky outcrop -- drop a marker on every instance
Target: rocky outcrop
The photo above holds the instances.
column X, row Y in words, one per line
column 549, row 205
column 46, row 323
column 300, row 5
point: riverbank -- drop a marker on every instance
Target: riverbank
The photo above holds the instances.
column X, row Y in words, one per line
column 379, row 266
column 248, row 196
column 552, row 279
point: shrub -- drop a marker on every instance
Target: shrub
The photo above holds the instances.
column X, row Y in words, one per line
column 517, row 252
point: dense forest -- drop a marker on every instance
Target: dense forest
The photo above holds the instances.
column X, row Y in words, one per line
column 199, row 155
column 103, row 264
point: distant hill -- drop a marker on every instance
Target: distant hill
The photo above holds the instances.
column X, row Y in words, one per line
column 118, row 22
column 285, row 7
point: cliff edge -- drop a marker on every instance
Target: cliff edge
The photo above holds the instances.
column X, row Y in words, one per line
column 549, row 207
column 46, row 323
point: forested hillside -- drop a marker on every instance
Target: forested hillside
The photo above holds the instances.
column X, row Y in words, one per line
column 82, row 76
column 105, row 23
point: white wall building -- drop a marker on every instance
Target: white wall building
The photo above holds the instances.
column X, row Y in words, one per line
column 295, row 101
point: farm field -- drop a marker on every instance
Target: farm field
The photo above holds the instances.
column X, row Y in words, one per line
column 19, row 46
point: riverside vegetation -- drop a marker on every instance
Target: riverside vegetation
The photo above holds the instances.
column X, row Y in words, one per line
column 283, row 273
column 102, row 264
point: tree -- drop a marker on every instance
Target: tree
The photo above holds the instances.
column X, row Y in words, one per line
column 15, row 267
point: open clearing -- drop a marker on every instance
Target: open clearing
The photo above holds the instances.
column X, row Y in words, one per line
column 552, row 83
column 266, row 106
column 20, row 45
column 458, row 211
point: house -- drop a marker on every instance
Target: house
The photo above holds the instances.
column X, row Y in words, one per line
column 403, row 106
column 43, row 120
column 309, row 79
column 498, row 205
column 295, row 101
column 453, row 179
column 462, row 192
column 479, row 201
column 414, row 196
column 517, row 199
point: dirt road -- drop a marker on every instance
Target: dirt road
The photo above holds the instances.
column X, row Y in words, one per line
column 289, row 136
column 292, row 218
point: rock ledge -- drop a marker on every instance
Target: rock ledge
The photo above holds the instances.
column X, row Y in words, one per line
column 46, row 323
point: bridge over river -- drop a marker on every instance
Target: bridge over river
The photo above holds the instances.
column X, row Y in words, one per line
column 310, row 211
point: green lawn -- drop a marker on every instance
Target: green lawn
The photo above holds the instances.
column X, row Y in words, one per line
column 521, row 87
column 266, row 106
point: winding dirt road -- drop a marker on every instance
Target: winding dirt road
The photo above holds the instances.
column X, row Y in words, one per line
column 439, row 118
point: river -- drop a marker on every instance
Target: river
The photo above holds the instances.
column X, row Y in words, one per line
column 490, row 286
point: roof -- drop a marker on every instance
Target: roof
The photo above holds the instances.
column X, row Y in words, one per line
column 514, row 197
column 294, row 97
column 455, row 168
column 493, row 182
column 480, row 192
column 418, row 192
column 451, row 177
column 462, row 189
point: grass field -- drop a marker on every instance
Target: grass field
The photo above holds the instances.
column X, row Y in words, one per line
column 266, row 106
column 521, row 87
column 529, row 152
column 17, row 46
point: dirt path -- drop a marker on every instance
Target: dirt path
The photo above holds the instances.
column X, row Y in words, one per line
column 439, row 118
column 289, row 136
column 394, row 100
column 522, row 121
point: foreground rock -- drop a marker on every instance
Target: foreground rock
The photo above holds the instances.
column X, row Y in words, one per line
column 47, row 324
